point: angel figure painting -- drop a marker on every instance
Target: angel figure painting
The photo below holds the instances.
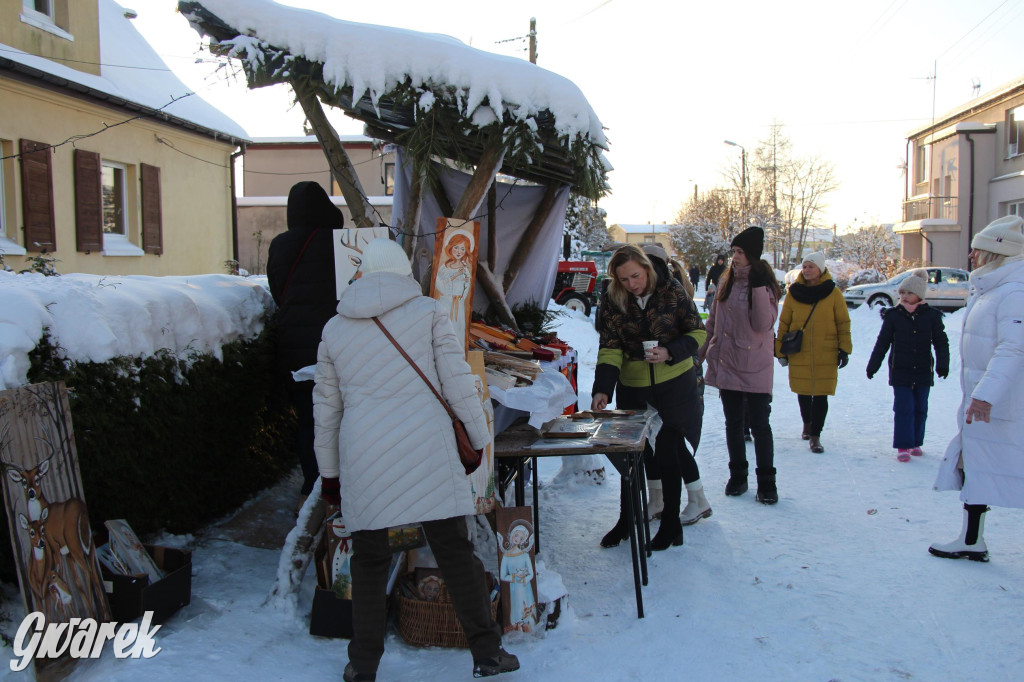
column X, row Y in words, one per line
column 516, row 571
column 455, row 254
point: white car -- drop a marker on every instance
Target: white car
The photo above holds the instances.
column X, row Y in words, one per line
column 947, row 289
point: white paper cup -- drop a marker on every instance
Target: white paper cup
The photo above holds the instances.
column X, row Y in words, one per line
column 649, row 346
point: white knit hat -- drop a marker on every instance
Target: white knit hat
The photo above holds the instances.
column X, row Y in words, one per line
column 384, row 255
column 817, row 257
column 1002, row 236
column 916, row 283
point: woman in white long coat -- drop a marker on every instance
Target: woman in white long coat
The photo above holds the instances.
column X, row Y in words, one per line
column 382, row 430
column 985, row 460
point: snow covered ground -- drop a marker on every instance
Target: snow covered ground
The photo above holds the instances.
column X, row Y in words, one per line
column 833, row 583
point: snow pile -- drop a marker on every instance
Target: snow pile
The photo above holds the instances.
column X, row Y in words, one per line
column 374, row 59
column 94, row 318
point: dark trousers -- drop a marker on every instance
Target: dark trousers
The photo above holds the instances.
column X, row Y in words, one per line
column 758, row 408
column 300, row 393
column 463, row 576
column 813, row 409
column 910, row 410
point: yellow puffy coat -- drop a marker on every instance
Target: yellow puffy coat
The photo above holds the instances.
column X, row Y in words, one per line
column 814, row 370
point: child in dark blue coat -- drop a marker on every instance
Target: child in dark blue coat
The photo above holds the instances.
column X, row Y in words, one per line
column 911, row 329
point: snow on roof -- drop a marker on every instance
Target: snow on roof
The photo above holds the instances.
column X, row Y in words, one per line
column 310, row 139
column 641, row 229
column 131, row 70
column 374, row 59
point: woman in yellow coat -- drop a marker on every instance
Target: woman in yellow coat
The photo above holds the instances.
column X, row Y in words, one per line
column 826, row 345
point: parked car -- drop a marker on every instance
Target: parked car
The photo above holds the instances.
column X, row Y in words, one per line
column 947, row 288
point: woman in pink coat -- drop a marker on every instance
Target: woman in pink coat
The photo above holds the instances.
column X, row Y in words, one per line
column 740, row 352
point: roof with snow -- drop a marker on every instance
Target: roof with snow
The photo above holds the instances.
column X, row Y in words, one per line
column 396, row 79
column 645, row 229
column 132, row 77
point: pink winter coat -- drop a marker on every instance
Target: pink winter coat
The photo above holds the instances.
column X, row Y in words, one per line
column 740, row 346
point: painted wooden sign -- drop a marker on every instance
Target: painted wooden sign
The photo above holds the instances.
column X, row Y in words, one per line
column 517, row 571
column 455, row 255
column 53, row 545
column 349, row 243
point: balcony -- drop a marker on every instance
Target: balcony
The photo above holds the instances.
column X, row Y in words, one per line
column 924, row 207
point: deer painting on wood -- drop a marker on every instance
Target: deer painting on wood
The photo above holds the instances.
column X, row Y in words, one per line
column 49, row 521
column 348, row 251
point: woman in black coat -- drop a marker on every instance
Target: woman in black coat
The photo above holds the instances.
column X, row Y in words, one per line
column 300, row 272
column 911, row 330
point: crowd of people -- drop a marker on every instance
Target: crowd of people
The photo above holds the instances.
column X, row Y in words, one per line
column 746, row 333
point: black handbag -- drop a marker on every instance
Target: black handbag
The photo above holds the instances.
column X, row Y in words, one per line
column 790, row 342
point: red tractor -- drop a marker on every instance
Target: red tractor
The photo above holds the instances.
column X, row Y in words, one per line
column 575, row 283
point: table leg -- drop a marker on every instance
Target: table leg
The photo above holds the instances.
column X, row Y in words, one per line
column 536, row 507
column 642, row 477
column 520, row 482
column 636, row 553
column 643, row 527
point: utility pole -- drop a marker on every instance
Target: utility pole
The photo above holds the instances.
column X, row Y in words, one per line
column 533, row 40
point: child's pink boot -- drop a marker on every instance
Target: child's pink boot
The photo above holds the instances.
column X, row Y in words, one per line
column 916, row 452
column 903, row 455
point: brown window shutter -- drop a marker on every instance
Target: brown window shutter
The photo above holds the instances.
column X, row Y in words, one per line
column 37, row 197
column 88, row 201
column 152, row 220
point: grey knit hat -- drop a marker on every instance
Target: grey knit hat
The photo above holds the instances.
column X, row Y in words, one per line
column 916, row 283
column 384, row 255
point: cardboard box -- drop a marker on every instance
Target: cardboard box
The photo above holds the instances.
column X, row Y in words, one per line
column 132, row 595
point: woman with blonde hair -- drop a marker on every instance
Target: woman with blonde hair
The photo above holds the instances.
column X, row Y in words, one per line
column 643, row 306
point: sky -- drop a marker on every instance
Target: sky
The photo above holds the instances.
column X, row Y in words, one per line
column 833, row 583
column 671, row 81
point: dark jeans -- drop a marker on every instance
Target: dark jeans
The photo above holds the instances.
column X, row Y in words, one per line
column 300, row 393
column 759, row 408
column 910, row 410
column 813, row 409
column 463, row 575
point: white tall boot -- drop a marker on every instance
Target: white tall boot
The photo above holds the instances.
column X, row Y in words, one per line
column 697, row 506
column 655, row 499
column 970, row 544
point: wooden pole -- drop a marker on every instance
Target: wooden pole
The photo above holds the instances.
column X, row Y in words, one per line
column 482, row 178
column 492, row 227
column 410, row 226
column 338, row 160
column 525, row 244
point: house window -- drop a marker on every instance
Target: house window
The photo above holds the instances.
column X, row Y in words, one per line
column 1015, row 132
column 649, row 239
column 389, row 179
column 40, row 7
column 114, row 199
column 1015, row 208
column 921, row 154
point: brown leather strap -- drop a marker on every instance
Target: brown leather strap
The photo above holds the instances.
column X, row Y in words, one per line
column 415, row 367
column 288, row 280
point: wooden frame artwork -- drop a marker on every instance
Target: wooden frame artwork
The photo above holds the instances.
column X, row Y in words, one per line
column 517, row 572
column 349, row 243
column 456, row 248
column 54, row 552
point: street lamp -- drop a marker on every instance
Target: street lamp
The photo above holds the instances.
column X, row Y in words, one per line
column 743, row 176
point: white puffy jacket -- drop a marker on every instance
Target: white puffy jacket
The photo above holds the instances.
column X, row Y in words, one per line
column 992, row 369
column 379, row 428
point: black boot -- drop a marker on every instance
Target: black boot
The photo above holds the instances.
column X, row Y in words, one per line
column 621, row 530
column 670, row 532
column 737, row 484
column 806, row 435
column 767, row 493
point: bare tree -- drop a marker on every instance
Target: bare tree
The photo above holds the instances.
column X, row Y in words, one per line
column 805, row 184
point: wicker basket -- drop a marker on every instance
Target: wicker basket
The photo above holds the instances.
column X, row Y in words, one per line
column 433, row 623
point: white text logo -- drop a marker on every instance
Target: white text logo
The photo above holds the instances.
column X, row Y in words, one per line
column 81, row 638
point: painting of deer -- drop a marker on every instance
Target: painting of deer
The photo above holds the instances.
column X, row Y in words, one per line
column 348, row 251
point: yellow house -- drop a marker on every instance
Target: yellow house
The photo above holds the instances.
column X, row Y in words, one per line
column 643, row 234
column 109, row 164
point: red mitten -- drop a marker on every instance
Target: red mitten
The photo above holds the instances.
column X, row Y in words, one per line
column 330, row 491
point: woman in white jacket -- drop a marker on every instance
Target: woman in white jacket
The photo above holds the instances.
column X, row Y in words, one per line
column 387, row 436
column 985, row 460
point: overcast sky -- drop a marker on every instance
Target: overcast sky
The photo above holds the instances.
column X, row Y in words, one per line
column 671, row 79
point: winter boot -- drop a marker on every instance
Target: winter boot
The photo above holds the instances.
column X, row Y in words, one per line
column 621, row 530
column 816, row 445
column 503, row 662
column 903, row 455
column 970, row 544
column 806, row 435
column 767, row 493
column 670, row 532
column 697, row 506
column 916, row 452
column 655, row 499
column 737, row 484
column 350, row 675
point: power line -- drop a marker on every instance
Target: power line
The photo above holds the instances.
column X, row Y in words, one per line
column 943, row 53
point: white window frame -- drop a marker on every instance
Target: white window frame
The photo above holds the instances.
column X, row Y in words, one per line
column 1014, row 132
column 44, row 21
column 1015, row 208
column 922, row 156
column 119, row 244
column 8, row 247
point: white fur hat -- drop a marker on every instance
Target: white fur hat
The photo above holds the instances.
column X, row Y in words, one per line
column 384, row 255
column 816, row 257
column 916, row 283
column 1002, row 236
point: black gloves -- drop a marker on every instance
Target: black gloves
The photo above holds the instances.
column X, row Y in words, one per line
column 871, row 375
column 943, row 373
column 844, row 359
column 330, row 490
